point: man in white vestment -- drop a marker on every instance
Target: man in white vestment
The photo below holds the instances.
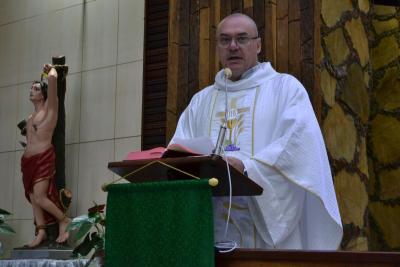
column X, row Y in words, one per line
column 274, row 137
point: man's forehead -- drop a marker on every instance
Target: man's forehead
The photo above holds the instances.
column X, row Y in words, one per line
column 237, row 34
column 35, row 84
column 238, row 25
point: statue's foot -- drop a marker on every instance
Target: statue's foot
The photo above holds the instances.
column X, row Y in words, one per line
column 62, row 226
column 39, row 238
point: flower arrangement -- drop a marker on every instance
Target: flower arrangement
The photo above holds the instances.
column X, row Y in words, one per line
column 90, row 232
column 4, row 227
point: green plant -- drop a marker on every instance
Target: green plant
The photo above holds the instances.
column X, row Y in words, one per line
column 4, row 227
column 90, row 232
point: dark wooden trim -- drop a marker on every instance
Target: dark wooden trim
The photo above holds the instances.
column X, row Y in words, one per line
column 155, row 73
column 310, row 51
column 316, row 99
column 313, row 256
column 386, row 2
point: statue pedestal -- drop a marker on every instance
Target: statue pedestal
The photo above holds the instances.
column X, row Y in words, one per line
column 42, row 253
column 45, row 263
column 48, row 249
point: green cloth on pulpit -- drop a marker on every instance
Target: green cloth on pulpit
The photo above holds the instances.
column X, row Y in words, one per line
column 168, row 223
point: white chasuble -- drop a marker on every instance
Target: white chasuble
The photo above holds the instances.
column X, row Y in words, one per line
column 273, row 130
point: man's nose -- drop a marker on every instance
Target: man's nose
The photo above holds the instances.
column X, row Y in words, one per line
column 233, row 44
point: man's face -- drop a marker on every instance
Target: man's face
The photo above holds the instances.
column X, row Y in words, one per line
column 238, row 57
column 35, row 94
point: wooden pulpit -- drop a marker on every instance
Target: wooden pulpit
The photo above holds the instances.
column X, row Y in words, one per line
column 168, row 207
column 187, row 168
column 207, row 167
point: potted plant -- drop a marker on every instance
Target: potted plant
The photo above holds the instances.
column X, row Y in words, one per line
column 4, row 227
column 90, row 233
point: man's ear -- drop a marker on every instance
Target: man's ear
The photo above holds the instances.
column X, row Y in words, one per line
column 258, row 45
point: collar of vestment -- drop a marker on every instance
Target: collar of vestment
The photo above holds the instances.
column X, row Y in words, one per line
column 253, row 77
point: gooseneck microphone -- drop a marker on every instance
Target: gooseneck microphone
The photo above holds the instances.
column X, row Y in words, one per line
column 226, row 245
column 221, row 135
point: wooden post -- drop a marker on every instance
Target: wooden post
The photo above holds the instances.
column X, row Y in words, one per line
column 178, row 62
column 59, row 132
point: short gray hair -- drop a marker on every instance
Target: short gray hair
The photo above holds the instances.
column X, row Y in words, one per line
column 239, row 15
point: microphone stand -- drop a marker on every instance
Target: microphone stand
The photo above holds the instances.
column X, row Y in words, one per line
column 219, row 145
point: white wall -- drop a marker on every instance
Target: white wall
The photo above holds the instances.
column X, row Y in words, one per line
column 103, row 44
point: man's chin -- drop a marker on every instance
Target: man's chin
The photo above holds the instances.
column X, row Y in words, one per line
column 235, row 63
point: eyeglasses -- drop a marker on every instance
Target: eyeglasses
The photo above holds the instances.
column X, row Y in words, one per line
column 225, row 41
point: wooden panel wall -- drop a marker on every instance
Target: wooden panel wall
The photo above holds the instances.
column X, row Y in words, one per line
column 289, row 30
column 155, row 73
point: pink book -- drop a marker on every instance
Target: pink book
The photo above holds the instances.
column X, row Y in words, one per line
column 154, row 153
column 179, row 148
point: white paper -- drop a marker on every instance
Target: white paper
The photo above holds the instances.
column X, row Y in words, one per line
column 200, row 145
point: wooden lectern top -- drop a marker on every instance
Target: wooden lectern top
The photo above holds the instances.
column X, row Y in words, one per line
column 200, row 166
column 306, row 258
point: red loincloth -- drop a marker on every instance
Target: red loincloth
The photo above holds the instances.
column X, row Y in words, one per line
column 37, row 168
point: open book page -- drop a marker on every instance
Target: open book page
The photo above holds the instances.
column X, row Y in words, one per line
column 180, row 147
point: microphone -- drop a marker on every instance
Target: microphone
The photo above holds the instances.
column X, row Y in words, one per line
column 221, row 135
column 228, row 74
column 220, row 141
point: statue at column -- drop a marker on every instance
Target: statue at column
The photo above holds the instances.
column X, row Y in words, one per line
column 38, row 163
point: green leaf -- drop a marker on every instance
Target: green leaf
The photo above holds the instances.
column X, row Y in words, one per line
column 4, row 212
column 77, row 222
column 97, row 217
column 91, row 241
column 84, row 248
column 84, row 230
column 82, row 224
column 96, row 210
column 6, row 229
column 98, row 242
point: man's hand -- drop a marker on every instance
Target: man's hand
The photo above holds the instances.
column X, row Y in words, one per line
column 236, row 163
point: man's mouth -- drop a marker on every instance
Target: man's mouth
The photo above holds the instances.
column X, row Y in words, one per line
column 234, row 58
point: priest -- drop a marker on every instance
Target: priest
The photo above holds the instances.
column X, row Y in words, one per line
column 273, row 137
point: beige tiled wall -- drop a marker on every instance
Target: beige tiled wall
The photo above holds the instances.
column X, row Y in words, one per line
column 103, row 44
